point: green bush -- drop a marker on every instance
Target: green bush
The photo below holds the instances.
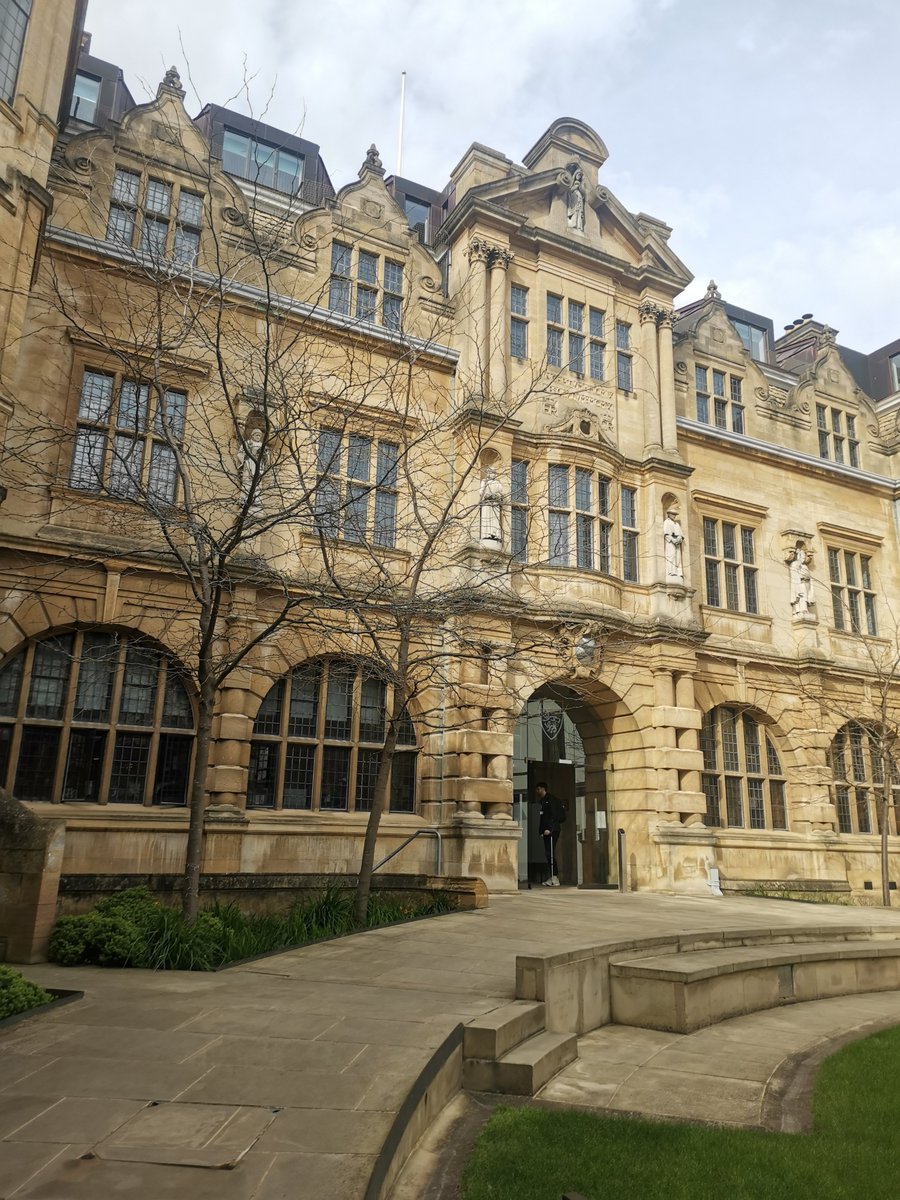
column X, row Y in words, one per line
column 131, row 929
column 17, row 995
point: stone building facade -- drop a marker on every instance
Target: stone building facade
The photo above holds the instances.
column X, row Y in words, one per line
column 642, row 553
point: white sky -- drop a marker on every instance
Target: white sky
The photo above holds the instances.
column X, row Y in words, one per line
column 766, row 134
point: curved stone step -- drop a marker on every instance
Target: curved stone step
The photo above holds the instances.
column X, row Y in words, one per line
column 525, row 1069
column 495, row 1033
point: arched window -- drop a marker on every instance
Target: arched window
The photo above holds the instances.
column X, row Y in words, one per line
column 741, row 768
column 94, row 717
column 317, row 742
column 856, row 759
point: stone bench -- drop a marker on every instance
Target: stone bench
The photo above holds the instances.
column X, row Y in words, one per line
column 684, row 991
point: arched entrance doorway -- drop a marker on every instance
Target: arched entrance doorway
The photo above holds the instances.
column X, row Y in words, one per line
column 560, row 741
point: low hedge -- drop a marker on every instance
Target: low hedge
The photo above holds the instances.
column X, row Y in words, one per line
column 130, row 929
column 17, row 995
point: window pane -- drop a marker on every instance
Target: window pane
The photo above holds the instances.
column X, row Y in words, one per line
column 190, row 208
column 733, row 801
column 139, row 686
column 629, row 507
column 129, row 768
column 747, row 545
column 576, row 353
column 385, row 531
column 623, row 372
column 718, row 383
column 168, row 420
column 710, row 536
column 554, row 347
column 597, row 371
column 701, row 381
column 585, row 541
column 178, row 712
column 604, row 551
column 49, row 679
column 367, row 764
column 518, row 300
column 583, row 489
column 752, row 753
column 186, row 246
column 163, row 479
column 519, row 482
column 871, row 621
column 776, row 802
column 87, row 459
column 713, row 804
column 393, row 277
column 554, row 310
column 518, row 534
column 339, row 702
column 596, row 320
column 559, row 539
column 359, row 454
column 729, row 541
column 262, row 778
column 603, row 494
column 367, row 267
column 623, row 336
column 403, row 783
column 120, row 225
column 126, row 465
column 299, row 764
column 328, row 460
column 125, row 186
column 84, row 766
column 356, row 512
column 576, row 316
column 339, row 296
column 268, row 718
column 335, row 777
column 159, row 197
column 235, row 152
column 95, row 401
column 132, row 411
column 736, row 392
column 708, row 741
column 728, row 720
column 757, row 803
column 38, row 751
column 711, row 571
column 10, row 682
column 288, row 171
column 99, row 653
column 392, row 307
column 372, row 710
column 842, row 802
column 304, row 709
column 732, row 593
column 737, row 418
column 772, row 760
column 153, row 236
column 630, row 556
column 173, row 763
column 558, row 485
column 751, row 599
column 518, row 338
column 703, row 409
column 863, row 814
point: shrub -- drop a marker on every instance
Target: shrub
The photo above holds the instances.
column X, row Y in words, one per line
column 17, row 994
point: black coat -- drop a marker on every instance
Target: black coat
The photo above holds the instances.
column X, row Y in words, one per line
column 551, row 815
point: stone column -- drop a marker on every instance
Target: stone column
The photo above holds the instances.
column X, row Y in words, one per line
column 479, row 253
column 667, row 380
column 649, row 374
column 498, row 264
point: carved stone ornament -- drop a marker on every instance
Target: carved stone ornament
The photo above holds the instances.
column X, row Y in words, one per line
column 649, row 310
column 372, row 161
column 428, row 284
column 572, row 179
column 785, row 402
column 309, row 242
column 373, row 209
column 492, row 255
column 233, row 216
column 171, row 83
column 712, row 292
column 583, row 423
column 83, row 165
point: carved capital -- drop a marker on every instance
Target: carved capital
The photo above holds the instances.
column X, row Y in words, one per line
column 666, row 318
column 648, row 311
column 481, row 250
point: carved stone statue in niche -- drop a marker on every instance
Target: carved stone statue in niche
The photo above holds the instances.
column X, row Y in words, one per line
column 491, row 509
column 575, row 199
column 252, row 466
column 673, row 537
column 802, row 597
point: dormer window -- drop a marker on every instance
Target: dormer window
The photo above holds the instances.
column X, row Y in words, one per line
column 837, row 435
column 261, row 162
column 85, row 94
column 369, row 296
column 754, row 339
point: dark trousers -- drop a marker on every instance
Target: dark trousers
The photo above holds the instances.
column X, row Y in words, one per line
column 550, row 841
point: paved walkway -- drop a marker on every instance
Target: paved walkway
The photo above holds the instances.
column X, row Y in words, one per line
column 296, row 1065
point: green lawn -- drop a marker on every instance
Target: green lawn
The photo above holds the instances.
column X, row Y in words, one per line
column 853, row 1153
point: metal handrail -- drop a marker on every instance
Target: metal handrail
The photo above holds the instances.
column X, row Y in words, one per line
column 439, row 861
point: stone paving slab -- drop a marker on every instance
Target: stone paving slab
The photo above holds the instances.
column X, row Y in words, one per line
column 335, row 1034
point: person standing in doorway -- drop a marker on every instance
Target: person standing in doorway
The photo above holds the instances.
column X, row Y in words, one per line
column 550, row 819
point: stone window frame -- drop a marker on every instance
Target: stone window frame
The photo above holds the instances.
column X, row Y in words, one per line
column 742, row 778
column 45, row 690
column 589, row 512
column 720, row 403
column 11, row 47
column 99, row 463
column 142, row 200
column 853, row 594
column 565, row 324
column 836, row 428
column 518, row 320
column 519, row 511
column 302, row 735
column 356, row 501
column 624, row 357
column 729, row 558
column 857, row 780
column 364, row 283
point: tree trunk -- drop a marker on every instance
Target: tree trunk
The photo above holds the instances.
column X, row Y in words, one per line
column 885, row 819
column 379, row 803
column 190, row 900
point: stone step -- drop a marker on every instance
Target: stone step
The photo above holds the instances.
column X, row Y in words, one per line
column 525, row 1069
column 495, row 1033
